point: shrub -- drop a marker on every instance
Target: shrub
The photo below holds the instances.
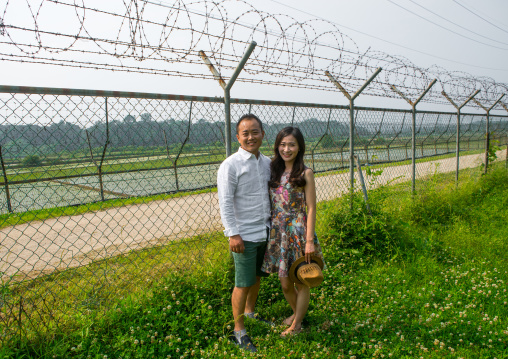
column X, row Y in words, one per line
column 357, row 230
column 32, row 161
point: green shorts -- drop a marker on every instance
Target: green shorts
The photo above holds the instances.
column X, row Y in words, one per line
column 248, row 264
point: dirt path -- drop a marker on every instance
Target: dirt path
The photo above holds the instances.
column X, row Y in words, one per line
column 43, row 246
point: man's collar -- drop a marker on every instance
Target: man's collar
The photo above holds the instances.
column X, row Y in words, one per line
column 246, row 154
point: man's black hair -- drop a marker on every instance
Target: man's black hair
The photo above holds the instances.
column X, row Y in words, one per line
column 248, row 116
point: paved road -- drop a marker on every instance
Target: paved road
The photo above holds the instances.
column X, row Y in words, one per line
column 38, row 247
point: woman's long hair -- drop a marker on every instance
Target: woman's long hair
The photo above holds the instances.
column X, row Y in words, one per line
column 278, row 166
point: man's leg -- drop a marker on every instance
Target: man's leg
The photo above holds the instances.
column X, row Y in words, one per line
column 254, row 290
column 245, row 280
column 252, row 296
column 238, row 300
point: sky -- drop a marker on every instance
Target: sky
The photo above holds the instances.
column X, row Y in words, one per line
column 458, row 35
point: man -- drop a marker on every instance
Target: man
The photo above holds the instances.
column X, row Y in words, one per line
column 242, row 184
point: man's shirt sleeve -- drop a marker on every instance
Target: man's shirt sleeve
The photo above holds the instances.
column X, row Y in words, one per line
column 226, row 186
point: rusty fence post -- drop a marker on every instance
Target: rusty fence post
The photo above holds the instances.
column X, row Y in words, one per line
column 227, row 88
column 6, row 182
column 487, row 129
column 169, row 158
column 175, row 162
column 413, row 129
column 352, row 121
column 99, row 165
column 320, row 139
column 362, row 182
column 457, row 145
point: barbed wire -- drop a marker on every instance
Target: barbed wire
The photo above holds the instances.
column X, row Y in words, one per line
column 119, row 35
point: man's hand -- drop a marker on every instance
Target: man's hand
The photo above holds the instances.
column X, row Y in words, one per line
column 309, row 250
column 236, row 244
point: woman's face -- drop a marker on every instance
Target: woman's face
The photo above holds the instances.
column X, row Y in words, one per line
column 288, row 148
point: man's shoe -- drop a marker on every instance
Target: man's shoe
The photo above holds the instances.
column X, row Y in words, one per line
column 245, row 343
column 257, row 316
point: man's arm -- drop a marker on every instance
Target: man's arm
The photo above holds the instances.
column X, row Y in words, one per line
column 227, row 182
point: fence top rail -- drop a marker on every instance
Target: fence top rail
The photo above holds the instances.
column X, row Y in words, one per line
column 217, row 99
column 102, row 93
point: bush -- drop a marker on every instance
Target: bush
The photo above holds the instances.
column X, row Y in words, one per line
column 32, row 161
column 357, row 230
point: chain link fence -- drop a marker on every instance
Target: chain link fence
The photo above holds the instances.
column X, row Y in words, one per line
column 103, row 191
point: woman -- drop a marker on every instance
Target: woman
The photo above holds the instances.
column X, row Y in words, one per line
column 293, row 198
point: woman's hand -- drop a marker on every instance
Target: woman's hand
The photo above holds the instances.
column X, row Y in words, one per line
column 309, row 250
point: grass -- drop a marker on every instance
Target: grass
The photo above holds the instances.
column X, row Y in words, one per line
column 424, row 278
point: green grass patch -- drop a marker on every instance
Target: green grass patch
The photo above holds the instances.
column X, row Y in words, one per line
column 424, row 277
column 69, row 300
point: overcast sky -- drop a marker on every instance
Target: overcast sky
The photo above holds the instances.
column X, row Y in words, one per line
column 476, row 42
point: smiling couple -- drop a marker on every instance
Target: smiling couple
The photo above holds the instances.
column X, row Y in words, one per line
column 268, row 209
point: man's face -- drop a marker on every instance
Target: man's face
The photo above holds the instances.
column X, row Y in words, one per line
column 250, row 135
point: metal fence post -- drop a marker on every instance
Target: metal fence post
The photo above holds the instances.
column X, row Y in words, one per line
column 293, row 116
column 227, row 88
column 352, row 120
column 99, row 166
column 506, row 159
column 457, row 150
column 169, row 158
column 374, row 137
column 6, row 182
column 487, row 129
column 175, row 162
column 320, row 139
column 413, row 129
column 364, row 189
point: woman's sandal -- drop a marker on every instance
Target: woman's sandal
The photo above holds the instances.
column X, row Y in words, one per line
column 290, row 332
column 289, row 320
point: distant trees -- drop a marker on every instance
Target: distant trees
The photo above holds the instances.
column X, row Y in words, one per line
column 22, row 142
column 146, row 117
column 129, row 119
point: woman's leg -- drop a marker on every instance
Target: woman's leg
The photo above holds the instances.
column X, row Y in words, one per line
column 290, row 293
column 302, row 304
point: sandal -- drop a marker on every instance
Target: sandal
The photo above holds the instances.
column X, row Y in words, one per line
column 289, row 320
column 291, row 332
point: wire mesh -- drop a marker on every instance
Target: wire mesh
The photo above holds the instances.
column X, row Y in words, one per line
column 98, row 190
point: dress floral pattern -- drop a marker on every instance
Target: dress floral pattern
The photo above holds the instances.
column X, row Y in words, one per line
column 289, row 225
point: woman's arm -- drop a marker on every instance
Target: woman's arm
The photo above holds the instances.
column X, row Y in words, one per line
column 310, row 201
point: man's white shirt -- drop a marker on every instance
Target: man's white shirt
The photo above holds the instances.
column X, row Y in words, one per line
column 242, row 185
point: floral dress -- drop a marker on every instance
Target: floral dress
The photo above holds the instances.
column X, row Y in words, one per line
column 289, row 226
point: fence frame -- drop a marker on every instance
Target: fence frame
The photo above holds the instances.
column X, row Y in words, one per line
column 413, row 128
column 120, row 94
